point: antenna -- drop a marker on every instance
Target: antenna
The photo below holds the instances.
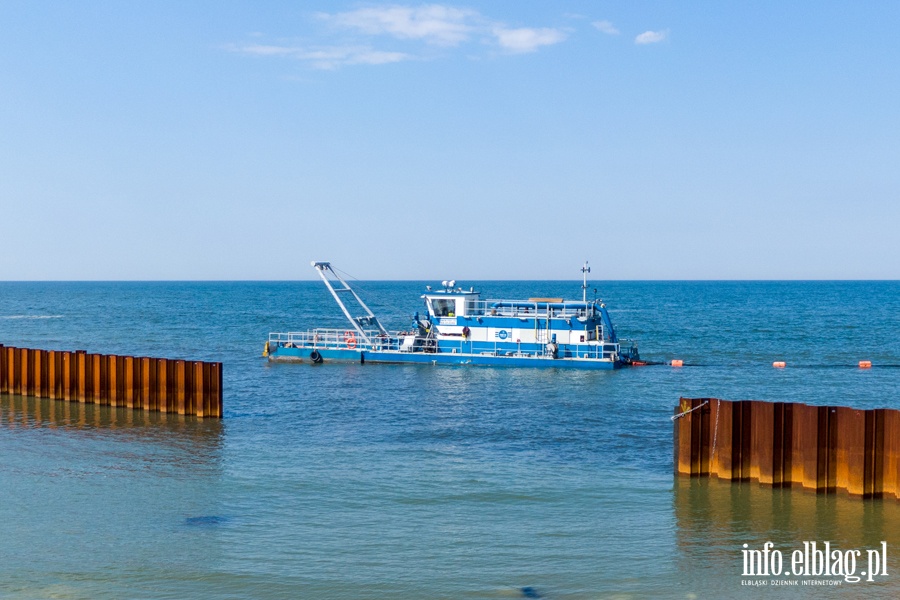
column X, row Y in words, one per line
column 584, row 270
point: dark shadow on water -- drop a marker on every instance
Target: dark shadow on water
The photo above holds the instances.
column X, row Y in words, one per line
column 206, row 521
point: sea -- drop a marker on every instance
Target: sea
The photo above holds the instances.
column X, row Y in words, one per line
column 351, row 481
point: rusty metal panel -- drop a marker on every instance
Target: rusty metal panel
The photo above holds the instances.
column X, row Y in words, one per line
column 737, row 440
column 171, row 392
column 828, row 441
column 705, row 437
column 32, row 374
column 146, row 383
column 4, row 386
column 128, row 383
column 162, row 397
column 823, row 449
column 96, row 382
column 113, row 367
column 171, row 387
column 37, row 366
column 721, row 433
column 746, row 438
column 13, row 360
column 216, row 390
column 45, row 373
column 198, row 396
column 103, row 374
column 81, row 375
column 207, row 389
column 682, row 428
column 787, row 442
column 25, row 373
column 67, row 375
column 13, row 375
column 870, row 452
column 761, row 434
column 52, row 374
column 888, row 468
column 803, row 449
column 850, row 450
column 154, row 384
column 19, row 381
column 777, row 464
column 122, row 367
column 60, row 376
column 27, row 383
column 695, row 421
column 726, row 433
column 149, row 371
column 878, row 449
column 13, row 371
column 181, row 381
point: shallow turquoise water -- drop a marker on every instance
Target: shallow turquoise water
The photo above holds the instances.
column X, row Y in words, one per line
column 377, row 481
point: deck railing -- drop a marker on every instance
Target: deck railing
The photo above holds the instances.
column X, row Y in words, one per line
column 343, row 339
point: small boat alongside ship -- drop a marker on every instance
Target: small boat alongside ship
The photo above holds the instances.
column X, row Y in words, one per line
column 459, row 328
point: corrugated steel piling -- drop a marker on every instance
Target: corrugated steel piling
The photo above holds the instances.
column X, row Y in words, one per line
column 821, row 448
column 141, row 383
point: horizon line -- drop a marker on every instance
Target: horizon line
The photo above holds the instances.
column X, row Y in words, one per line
column 711, row 280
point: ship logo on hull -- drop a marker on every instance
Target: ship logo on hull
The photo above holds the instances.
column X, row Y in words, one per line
column 502, row 334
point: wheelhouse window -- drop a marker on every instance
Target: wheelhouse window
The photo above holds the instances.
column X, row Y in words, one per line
column 444, row 307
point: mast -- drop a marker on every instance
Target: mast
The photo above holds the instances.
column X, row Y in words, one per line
column 584, row 270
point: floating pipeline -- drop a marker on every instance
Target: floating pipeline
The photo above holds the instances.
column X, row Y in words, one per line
column 183, row 387
column 819, row 448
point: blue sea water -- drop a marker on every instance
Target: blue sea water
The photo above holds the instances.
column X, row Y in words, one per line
column 391, row 481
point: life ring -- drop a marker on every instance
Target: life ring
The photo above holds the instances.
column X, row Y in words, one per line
column 350, row 339
column 315, row 356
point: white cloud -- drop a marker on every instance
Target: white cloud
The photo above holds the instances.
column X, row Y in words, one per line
column 262, row 50
column 328, row 57
column 412, row 32
column 526, row 39
column 606, row 27
column 334, row 57
column 651, row 37
column 433, row 24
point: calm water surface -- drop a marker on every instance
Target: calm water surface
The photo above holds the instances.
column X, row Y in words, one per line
column 376, row 481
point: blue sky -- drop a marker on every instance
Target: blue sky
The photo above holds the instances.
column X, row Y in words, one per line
column 499, row 140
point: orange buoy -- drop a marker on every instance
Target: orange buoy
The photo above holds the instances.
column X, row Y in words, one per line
column 779, row 364
column 677, row 363
column 865, row 364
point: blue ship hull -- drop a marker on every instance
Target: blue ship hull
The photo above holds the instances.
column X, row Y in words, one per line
column 302, row 355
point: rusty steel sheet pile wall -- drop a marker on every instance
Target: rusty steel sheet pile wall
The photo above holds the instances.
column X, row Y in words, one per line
column 821, row 448
column 183, row 387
